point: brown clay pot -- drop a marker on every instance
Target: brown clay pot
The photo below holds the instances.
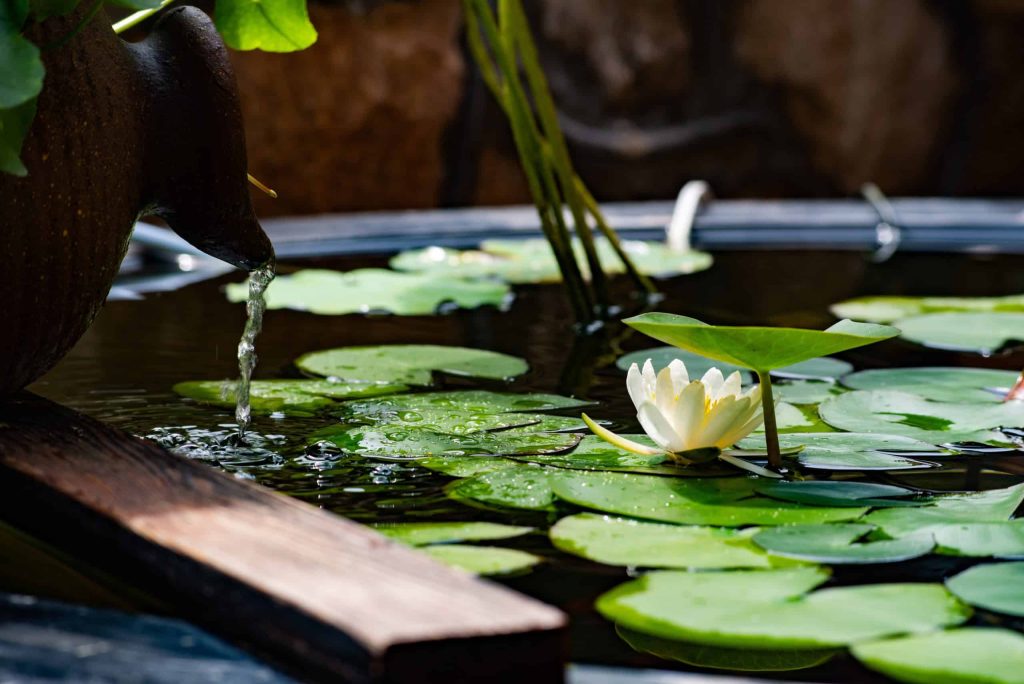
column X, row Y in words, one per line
column 122, row 130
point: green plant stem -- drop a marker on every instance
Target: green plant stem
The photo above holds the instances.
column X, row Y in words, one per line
column 137, row 18
column 602, row 224
column 771, row 430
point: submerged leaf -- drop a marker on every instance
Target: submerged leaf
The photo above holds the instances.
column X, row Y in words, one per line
column 771, row 609
column 373, row 290
column 961, row 656
column 413, row 364
column 838, row 544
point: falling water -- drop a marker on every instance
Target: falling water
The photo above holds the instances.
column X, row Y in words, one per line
column 259, row 279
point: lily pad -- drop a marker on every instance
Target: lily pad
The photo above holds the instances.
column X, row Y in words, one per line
column 412, row 364
column 838, row 543
column 292, row 397
column 849, row 450
column 998, row 587
column 938, row 384
column 890, row 309
column 465, row 466
column 728, row 502
column 532, row 261
column 483, row 560
column 719, row 658
column 634, row 543
column 971, row 655
column 840, row 493
column 821, row 368
column 1003, row 539
column 375, row 290
column 983, row 333
column 758, row 348
column 408, row 443
column 593, row 453
column 789, row 418
column 993, row 505
column 902, row 413
column 771, row 609
column 806, row 391
column 422, row 533
column 526, row 487
column 464, row 402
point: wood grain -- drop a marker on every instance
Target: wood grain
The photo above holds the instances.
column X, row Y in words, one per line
column 325, row 597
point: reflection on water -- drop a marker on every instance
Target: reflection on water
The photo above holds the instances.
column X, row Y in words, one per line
column 124, row 367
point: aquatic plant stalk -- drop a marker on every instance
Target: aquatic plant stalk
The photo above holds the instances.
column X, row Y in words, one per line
column 503, row 48
column 137, row 18
column 771, row 429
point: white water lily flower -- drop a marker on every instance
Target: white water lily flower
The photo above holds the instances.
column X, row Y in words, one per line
column 681, row 415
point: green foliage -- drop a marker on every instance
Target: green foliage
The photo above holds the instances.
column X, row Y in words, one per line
column 840, row 544
column 270, row 25
column 997, row 586
column 422, row 533
column 892, row 309
column 848, row 450
column 982, row 333
column 21, row 80
column 971, row 655
column 983, row 385
column 483, row 560
column 413, row 364
column 291, row 397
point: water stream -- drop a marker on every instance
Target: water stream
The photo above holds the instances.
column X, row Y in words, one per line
column 259, row 280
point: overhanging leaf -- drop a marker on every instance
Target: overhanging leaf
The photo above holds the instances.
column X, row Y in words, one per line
column 758, row 348
column 271, row 25
column 373, row 290
column 412, row 364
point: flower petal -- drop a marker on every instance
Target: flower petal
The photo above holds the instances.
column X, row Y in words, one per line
column 724, row 417
column 658, row 428
column 688, row 416
column 619, row 441
column 732, row 386
column 713, row 382
column 680, row 376
column 635, row 385
column 665, row 392
column 744, row 425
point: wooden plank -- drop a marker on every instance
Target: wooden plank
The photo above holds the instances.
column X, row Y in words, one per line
column 322, row 596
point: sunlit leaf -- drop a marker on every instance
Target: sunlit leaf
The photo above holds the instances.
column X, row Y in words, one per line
column 482, row 560
column 849, row 450
column 1004, row 539
column 292, row 397
column 839, row 544
column 997, row 587
column 938, row 384
column 422, row 533
column 890, row 309
column 983, row 333
column 413, row 364
column 971, row 655
column 806, row 391
column 525, row 486
column 842, row 493
column 993, row 505
column 271, row 25
column 593, row 453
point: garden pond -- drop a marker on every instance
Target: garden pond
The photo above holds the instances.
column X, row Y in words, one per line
column 783, row 577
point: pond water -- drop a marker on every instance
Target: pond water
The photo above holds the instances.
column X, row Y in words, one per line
column 122, row 372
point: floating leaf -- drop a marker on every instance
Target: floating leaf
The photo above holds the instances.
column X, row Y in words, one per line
column 848, row 450
column 527, row 487
column 839, row 493
column 463, row 402
column 728, row 502
column 422, row 533
column 532, row 261
column 293, row 397
column 983, row 333
column 465, row 466
column 997, row 587
column 806, row 391
column 981, row 655
column 771, row 609
column 406, row 443
column 989, row 506
column 483, row 560
column 1004, row 539
column 821, row 368
column 373, row 290
column 902, row 413
column 890, row 309
column 938, row 384
column 634, row 543
column 593, row 453
column 412, row 364
column 758, row 348
column 719, row 658
column 838, row 543
column 789, row 418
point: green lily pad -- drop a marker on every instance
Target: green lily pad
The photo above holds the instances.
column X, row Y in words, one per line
column 758, row 348
column 771, row 609
column 373, row 290
column 465, row 466
column 462, row 402
column 971, row 655
column 483, row 560
column 719, row 658
column 526, row 487
column 412, row 364
column 983, row 333
column 634, row 543
column 838, row 543
column 292, row 397
column 821, row 368
column 993, row 505
column 902, row 413
column 938, row 384
column 422, row 533
column 789, row 418
column 728, row 502
column 532, row 261
column 998, row 587
column 1004, row 539
column 806, row 391
column 890, row 309
column 407, row 443
column 848, row 450
column 457, row 423
column 839, row 493
column 593, row 453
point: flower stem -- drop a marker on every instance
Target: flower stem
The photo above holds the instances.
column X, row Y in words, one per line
column 137, row 18
column 771, row 430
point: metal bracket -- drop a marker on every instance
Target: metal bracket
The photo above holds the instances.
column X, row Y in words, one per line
column 689, row 201
column 887, row 231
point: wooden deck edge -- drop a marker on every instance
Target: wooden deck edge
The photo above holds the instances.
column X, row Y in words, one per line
column 321, row 596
